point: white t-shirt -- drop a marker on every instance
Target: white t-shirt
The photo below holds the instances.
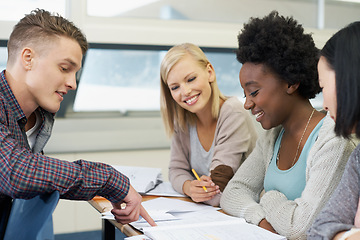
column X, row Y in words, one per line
column 32, row 132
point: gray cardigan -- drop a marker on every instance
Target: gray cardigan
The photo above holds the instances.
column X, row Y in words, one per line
column 235, row 137
column 325, row 165
column 339, row 213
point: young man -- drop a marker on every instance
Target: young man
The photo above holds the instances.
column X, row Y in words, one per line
column 44, row 53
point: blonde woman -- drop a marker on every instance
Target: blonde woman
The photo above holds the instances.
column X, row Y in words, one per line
column 211, row 133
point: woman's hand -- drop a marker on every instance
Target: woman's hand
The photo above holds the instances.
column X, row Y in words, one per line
column 357, row 216
column 353, row 236
column 194, row 189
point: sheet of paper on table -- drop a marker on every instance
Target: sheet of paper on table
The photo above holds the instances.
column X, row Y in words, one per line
column 165, row 209
column 235, row 229
column 138, row 237
column 148, row 181
column 197, row 221
column 164, row 189
column 143, row 179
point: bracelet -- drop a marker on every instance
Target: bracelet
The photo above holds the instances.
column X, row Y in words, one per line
column 349, row 233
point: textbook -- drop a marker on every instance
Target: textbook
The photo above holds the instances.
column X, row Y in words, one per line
column 143, row 179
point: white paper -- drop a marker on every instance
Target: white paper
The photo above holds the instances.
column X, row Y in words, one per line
column 142, row 179
column 157, row 216
column 182, row 211
column 189, row 218
column 138, row 237
column 220, row 230
column 172, row 205
column 164, row 189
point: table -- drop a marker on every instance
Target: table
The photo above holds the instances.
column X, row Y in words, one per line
column 108, row 226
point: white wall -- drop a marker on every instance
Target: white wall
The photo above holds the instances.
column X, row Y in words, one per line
column 107, row 134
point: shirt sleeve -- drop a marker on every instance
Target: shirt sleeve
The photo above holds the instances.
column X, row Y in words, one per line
column 179, row 166
column 242, row 194
column 339, row 212
column 234, row 140
column 25, row 175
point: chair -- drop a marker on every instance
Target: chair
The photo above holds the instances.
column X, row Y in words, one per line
column 32, row 219
column 5, row 208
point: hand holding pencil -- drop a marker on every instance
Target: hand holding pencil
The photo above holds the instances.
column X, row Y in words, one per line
column 202, row 189
column 197, row 177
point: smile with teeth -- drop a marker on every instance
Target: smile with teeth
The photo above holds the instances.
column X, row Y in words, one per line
column 191, row 100
column 259, row 114
column 61, row 94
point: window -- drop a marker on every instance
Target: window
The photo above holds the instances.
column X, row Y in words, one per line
column 3, row 54
column 306, row 12
column 126, row 78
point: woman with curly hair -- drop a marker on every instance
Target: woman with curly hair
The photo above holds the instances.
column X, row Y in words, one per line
column 299, row 161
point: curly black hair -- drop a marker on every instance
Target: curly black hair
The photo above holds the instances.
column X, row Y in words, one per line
column 282, row 46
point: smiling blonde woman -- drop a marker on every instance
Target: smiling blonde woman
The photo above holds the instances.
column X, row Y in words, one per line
column 211, row 133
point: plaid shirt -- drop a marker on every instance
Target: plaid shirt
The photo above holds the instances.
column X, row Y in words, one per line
column 26, row 173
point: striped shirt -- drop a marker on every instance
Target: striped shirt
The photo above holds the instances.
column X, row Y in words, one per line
column 26, row 173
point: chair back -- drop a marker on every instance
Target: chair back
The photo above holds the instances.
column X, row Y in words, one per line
column 32, row 219
column 5, row 208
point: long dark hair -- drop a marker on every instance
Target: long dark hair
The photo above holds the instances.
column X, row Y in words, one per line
column 342, row 52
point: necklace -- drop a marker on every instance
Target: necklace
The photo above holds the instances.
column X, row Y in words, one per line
column 298, row 147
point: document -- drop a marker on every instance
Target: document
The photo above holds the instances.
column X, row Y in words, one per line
column 180, row 218
column 235, row 229
column 158, row 216
column 196, row 221
column 169, row 211
column 164, row 189
column 138, row 237
column 173, row 205
column 143, row 179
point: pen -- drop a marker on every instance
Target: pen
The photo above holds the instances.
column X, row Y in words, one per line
column 197, row 177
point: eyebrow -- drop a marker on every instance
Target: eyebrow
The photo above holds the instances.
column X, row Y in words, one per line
column 71, row 62
column 250, row 83
column 186, row 77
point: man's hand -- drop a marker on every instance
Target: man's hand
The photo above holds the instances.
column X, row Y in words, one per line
column 130, row 208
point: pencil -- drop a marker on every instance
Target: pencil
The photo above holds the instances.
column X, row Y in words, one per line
column 197, row 177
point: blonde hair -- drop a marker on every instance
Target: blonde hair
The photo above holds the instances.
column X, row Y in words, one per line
column 174, row 116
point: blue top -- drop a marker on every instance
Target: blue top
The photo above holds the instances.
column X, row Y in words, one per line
column 290, row 182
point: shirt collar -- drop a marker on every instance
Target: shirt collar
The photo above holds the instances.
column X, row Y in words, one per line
column 10, row 99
